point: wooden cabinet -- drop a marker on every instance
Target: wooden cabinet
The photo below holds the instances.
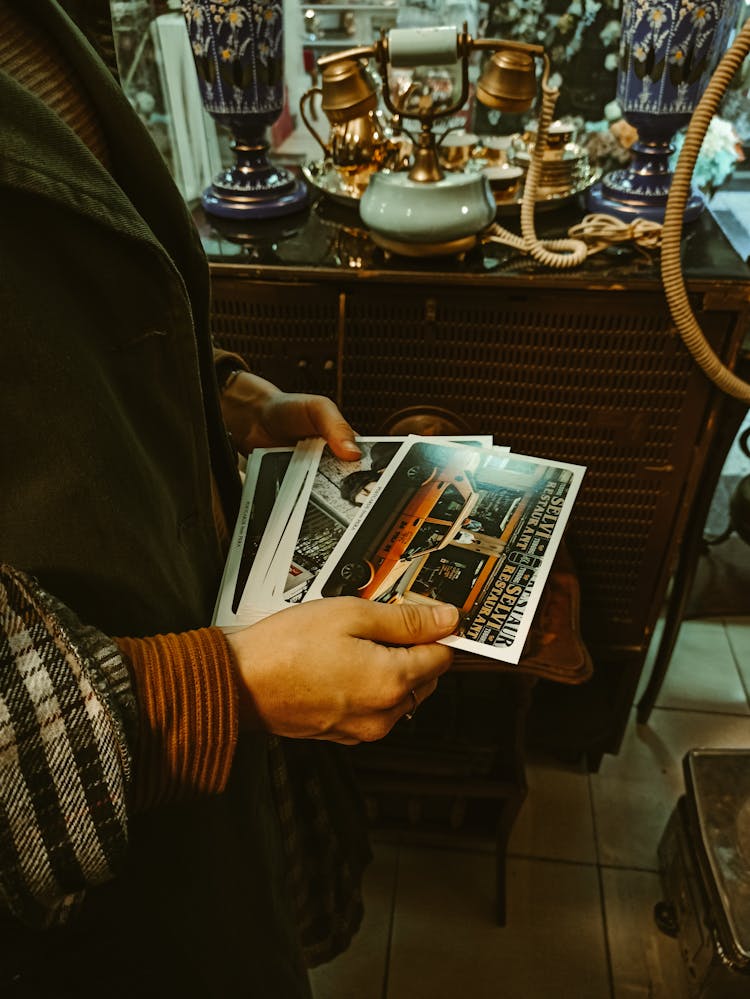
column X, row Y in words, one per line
column 584, row 366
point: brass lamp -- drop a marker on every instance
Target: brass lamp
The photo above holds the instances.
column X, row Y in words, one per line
column 427, row 212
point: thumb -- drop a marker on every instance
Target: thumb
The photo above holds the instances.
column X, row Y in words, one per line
column 331, row 425
column 407, row 624
column 340, row 438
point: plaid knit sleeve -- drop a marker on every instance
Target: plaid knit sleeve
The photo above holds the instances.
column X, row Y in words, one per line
column 67, row 727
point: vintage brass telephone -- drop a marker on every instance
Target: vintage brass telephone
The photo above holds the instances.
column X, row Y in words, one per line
column 426, row 211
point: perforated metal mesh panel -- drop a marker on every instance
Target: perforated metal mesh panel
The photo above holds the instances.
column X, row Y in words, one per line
column 287, row 333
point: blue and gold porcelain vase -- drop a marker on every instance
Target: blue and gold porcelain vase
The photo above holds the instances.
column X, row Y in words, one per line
column 668, row 51
column 238, row 48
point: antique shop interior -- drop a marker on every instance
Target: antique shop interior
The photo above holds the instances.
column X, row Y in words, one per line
column 526, row 219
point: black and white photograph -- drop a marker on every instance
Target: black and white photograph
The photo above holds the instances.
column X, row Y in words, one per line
column 269, row 472
column 338, row 490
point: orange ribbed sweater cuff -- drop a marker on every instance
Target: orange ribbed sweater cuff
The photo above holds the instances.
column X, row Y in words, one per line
column 187, row 705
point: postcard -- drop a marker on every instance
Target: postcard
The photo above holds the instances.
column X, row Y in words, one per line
column 270, row 474
column 475, row 527
column 336, row 493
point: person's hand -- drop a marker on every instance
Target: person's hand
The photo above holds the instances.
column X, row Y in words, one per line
column 341, row 669
column 258, row 414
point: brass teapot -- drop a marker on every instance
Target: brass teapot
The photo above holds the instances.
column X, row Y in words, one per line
column 358, row 142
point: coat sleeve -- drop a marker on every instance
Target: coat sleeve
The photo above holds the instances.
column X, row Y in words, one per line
column 67, row 727
column 92, row 728
column 225, row 362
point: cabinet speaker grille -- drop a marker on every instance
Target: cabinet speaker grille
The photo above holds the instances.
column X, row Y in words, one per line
column 290, row 339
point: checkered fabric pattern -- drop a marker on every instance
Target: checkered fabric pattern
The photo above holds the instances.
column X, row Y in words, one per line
column 67, row 724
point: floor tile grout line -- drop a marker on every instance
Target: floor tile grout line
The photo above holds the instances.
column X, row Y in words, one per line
column 592, row 812
column 600, row 881
column 735, row 659
column 565, row 861
column 605, row 865
column 391, row 922
column 697, row 711
column 628, row 868
column 605, row 931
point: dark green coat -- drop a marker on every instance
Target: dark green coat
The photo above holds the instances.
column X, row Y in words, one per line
column 111, row 427
column 108, row 398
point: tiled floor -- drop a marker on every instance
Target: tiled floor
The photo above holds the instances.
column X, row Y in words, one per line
column 582, row 868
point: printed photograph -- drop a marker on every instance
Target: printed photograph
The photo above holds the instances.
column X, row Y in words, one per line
column 477, row 528
column 339, row 490
column 265, row 477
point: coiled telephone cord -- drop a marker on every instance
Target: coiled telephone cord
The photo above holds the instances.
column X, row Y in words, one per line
column 671, row 265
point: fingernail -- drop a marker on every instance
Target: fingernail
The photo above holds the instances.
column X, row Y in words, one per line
column 446, row 616
column 351, row 447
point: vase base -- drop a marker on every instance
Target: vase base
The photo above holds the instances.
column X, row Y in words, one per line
column 600, row 201
column 257, row 205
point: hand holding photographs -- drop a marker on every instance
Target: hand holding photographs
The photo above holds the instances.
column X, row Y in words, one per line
column 419, row 520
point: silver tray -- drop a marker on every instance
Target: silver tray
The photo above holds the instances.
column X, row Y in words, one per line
column 325, row 179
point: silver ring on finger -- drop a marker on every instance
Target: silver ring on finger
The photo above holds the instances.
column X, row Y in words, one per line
column 414, row 705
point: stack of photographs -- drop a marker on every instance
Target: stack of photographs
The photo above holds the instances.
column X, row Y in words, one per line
column 416, row 519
